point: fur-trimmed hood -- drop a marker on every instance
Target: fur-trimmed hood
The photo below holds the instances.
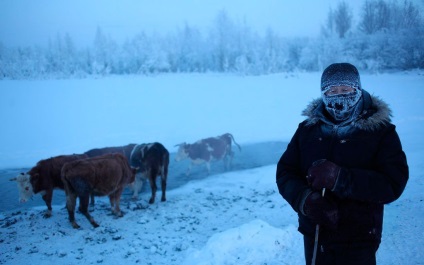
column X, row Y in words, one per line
column 375, row 113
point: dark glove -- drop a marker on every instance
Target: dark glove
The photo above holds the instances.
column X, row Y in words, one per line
column 321, row 210
column 323, row 174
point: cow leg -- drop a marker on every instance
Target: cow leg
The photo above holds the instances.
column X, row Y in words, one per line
column 230, row 162
column 137, row 185
column 208, row 167
column 112, row 203
column 152, row 181
column 115, row 201
column 134, row 188
column 189, row 169
column 225, row 160
column 71, row 199
column 47, row 197
column 92, row 200
column 163, row 185
column 84, row 200
column 164, row 177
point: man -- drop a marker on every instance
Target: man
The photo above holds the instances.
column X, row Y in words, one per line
column 344, row 162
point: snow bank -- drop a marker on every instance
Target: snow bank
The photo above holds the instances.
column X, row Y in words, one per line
column 253, row 243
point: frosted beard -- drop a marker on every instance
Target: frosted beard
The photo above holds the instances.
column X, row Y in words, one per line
column 341, row 106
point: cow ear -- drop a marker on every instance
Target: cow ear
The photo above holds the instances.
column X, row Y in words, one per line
column 22, row 173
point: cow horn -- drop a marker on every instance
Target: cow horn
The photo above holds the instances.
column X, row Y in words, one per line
column 180, row 144
column 13, row 179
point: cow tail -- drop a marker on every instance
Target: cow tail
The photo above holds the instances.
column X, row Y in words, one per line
column 232, row 137
column 67, row 185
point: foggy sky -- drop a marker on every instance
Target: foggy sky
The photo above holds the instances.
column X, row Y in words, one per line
column 34, row 22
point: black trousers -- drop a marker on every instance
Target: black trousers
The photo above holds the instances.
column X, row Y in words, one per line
column 353, row 253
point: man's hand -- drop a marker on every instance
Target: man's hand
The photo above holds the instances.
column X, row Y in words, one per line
column 321, row 210
column 323, row 174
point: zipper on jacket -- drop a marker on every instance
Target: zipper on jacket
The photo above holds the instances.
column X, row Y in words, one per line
column 332, row 142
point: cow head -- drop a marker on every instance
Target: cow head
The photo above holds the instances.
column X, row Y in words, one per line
column 182, row 152
column 24, row 187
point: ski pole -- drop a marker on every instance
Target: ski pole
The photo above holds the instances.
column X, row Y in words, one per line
column 314, row 255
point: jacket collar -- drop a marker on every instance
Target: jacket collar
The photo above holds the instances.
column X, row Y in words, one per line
column 375, row 113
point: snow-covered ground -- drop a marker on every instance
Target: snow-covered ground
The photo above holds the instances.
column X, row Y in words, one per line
column 234, row 217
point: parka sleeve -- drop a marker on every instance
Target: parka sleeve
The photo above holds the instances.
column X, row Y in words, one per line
column 291, row 181
column 385, row 181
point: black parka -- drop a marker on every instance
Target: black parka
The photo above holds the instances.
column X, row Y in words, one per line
column 374, row 168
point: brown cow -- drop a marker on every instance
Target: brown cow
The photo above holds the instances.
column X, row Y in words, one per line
column 43, row 178
column 152, row 160
column 105, row 175
column 125, row 150
column 206, row 150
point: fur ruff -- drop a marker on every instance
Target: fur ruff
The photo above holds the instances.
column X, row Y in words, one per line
column 376, row 113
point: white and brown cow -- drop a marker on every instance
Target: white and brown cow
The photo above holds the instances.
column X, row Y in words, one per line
column 152, row 159
column 43, row 178
column 206, row 150
column 105, row 175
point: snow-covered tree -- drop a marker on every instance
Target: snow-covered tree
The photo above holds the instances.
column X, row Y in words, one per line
column 186, row 50
column 376, row 16
column 104, row 50
column 385, row 28
column 221, row 42
column 342, row 19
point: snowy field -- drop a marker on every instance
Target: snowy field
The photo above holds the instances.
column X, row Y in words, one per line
column 234, row 217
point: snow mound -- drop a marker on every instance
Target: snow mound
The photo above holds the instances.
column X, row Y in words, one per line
column 255, row 242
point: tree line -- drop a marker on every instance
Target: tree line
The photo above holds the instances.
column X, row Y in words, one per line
column 387, row 35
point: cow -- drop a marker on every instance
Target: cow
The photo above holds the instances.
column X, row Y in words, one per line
column 43, row 178
column 125, row 150
column 206, row 150
column 105, row 175
column 152, row 159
